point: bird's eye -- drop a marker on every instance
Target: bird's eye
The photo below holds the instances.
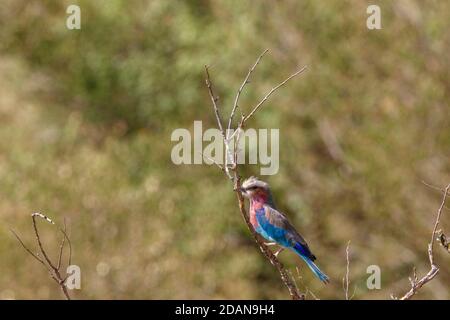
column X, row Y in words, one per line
column 252, row 188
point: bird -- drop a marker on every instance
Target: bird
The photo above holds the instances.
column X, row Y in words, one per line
column 274, row 226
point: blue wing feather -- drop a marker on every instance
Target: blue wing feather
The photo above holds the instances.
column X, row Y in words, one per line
column 284, row 232
column 274, row 226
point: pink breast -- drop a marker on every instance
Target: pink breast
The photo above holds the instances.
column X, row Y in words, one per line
column 253, row 220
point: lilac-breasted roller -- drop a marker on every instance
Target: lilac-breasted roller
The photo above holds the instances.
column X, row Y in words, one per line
column 274, row 226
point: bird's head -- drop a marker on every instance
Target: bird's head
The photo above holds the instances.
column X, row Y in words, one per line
column 253, row 188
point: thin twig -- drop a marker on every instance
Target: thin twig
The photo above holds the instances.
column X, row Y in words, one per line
column 27, row 249
column 214, row 100
column 212, row 160
column 436, row 224
column 436, row 188
column 69, row 260
column 272, row 91
column 38, row 239
column 246, row 80
column 237, row 140
column 345, row 280
column 232, row 171
column 61, row 247
column 353, row 294
column 53, row 270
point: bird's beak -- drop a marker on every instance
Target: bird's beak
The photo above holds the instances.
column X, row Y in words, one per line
column 242, row 190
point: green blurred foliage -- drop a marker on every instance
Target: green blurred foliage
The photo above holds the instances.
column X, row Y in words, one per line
column 87, row 117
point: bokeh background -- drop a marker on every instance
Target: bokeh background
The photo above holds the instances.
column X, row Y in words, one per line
column 86, row 118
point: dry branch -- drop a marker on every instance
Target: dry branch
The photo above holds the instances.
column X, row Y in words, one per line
column 244, row 83
column 231, row 168
column 42, row 257
column 345, row 280
column 272, row 91
column 416, row 284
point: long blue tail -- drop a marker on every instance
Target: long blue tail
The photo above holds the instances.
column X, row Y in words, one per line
column 315, row 269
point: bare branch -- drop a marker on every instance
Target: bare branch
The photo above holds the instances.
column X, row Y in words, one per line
column 246, row 80
column 272, row 91
column 69, row 260
column 49, row 265
column 212, row 160
column 40, row 215
column 61, row 247
column 64, row 232
column 231, row 169
column 436, row 224
column 238, row 138
column 345, row 280
column 214, row 100
column 434, row 269
column 416, row 285
column 436, row 188
column 353, row 294
column 38, row 239
column 27, row 249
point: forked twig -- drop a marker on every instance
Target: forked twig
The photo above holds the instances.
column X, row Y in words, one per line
column 272, row 91
column 244, row 83
column 52, row 268
column 231, row 168
column 416, row 284
column 214, row 100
